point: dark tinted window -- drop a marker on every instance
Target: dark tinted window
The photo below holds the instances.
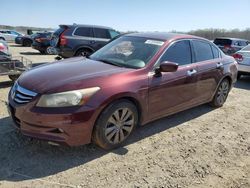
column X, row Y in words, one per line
column 223, row 42
column 84, row 31
column 242, row 43
column 216, row 52
column 101, row 33
column 179, row 52
column 202, row 50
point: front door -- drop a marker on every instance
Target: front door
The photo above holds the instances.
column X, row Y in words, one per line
column 173, row 91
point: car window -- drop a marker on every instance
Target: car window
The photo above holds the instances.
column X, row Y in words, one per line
column 222, row 42
column 202, row 50
column 113, row 33
column 101, row 33
column 216, row 52
column 179, row 52
column 84, row 31
column 243, row 43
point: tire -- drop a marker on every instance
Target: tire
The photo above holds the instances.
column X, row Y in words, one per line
column 42, row 52
column 239, row 76
column 115, row 124
column 27, row 43
column 221, row 94
column 83, row 52
column 14, row 77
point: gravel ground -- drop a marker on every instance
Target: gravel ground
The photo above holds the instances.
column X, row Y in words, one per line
column 200, row 147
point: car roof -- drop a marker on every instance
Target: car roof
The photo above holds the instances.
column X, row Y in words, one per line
column 83, row 25
column 231, row 38
column 164, row 36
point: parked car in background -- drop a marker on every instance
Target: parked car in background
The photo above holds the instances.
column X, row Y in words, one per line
column 78, row 40
column 41, row 42
column 9, row 35
column 243, row 59
column 230, row 45
column 4, row 50
column 133, row 80
column 25, row 40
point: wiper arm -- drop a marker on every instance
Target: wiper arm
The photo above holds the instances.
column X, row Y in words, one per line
column 109, row 62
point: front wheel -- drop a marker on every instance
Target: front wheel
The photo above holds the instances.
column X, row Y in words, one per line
column 14, row 77
column 115, row 124
column 221, row 94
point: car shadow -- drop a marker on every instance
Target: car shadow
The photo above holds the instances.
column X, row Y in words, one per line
column 31, row 53
column 16, row 45
column 23, row 158
column 6, row 84
column 243, row 83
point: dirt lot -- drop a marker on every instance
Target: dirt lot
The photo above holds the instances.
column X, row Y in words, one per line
column 201, row 147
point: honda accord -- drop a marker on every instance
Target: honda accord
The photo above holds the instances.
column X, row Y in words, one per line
column 131, row 81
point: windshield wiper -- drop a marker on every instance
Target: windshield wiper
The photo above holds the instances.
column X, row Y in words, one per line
column 109, row 62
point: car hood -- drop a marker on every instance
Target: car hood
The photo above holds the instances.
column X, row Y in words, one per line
column 69, row 74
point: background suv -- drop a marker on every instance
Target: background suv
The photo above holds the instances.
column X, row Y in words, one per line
column 77, row 40
column 230, row 45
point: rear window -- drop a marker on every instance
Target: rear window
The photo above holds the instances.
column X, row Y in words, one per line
column 223, row 42
column 84, row 32
column 202, row 50
column 101, row 33
column 59, row 31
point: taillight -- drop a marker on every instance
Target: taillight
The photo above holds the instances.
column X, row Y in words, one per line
column 63, row 40
column 3, row 48
column 238, row 57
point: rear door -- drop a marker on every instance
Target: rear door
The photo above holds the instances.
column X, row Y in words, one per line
column 173, row 91
column 210, row 68
column 102, row 37
column 82, row 36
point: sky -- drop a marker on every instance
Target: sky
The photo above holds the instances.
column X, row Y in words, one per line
column 129, row 15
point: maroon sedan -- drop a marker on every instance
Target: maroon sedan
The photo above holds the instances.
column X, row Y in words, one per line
column 131, row 81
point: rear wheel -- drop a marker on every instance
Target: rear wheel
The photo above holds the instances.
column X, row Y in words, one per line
column 27, row 43
column 83, row 52
column 115, row 124
column 221, row 94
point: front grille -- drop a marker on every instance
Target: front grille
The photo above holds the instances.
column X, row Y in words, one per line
column 21, row 95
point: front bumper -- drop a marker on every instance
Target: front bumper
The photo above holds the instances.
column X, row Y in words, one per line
column 69, row 126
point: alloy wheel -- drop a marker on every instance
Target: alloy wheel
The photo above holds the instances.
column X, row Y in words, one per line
column 119, row 125
column 222, row 92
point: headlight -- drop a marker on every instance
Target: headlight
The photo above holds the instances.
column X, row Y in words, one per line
column 68, row 98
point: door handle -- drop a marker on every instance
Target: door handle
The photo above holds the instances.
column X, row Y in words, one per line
column 92, row 42
column 219, row 65
column 191, row 72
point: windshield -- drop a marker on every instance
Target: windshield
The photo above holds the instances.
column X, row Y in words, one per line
column 126, row 51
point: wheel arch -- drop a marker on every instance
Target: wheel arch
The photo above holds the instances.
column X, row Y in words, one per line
column 83, row 47
column 229, row 78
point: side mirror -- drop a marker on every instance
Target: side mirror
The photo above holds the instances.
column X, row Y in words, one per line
column 167, row 66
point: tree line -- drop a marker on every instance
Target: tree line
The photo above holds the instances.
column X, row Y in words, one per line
column 211, row 34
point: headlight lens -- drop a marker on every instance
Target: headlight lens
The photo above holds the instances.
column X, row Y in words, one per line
column 68, row 98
